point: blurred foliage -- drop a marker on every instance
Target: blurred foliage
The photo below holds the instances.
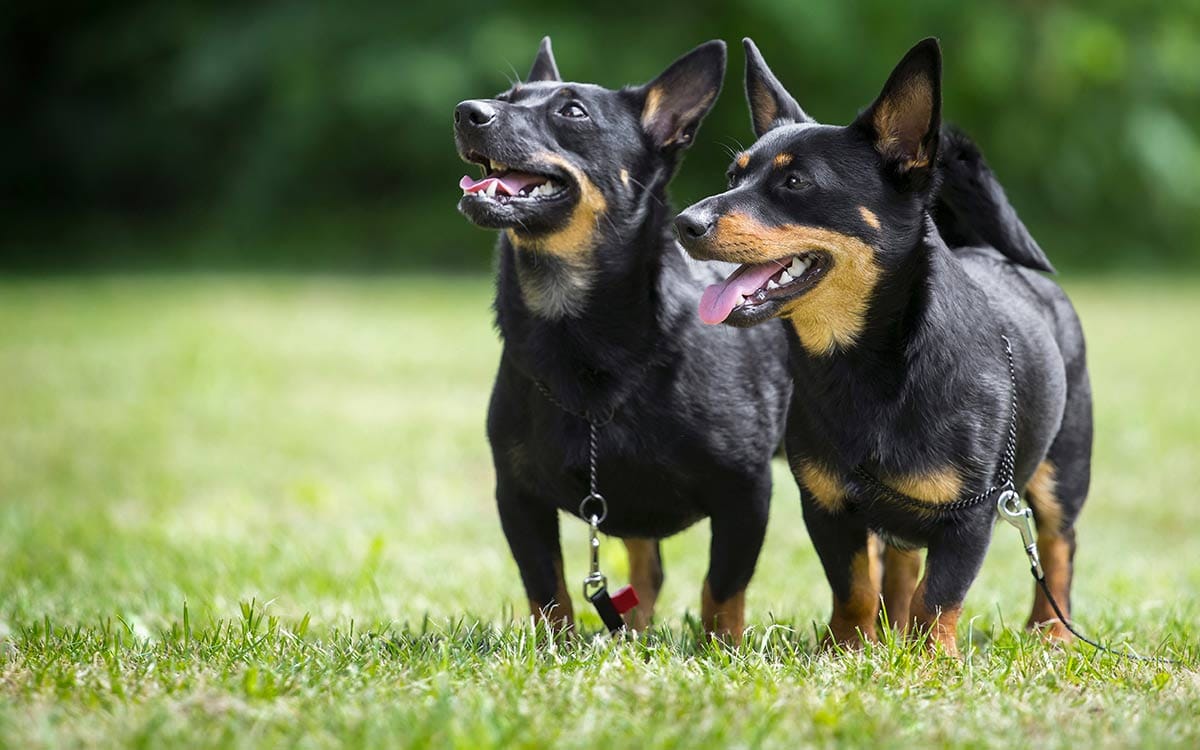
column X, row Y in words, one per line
column 318, row 134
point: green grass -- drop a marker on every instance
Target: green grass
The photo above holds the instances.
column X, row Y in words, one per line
column 248, row 512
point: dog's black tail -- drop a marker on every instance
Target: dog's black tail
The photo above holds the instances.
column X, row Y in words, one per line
column 972, row 208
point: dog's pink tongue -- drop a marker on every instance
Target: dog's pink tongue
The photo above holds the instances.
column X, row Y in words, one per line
column 720, row 299
column 511, row 183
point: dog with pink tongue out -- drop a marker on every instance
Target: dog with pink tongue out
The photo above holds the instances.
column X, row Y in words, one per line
column 937, row 369
column 595, row 304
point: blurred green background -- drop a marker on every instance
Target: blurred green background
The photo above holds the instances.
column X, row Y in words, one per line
column 318, row 135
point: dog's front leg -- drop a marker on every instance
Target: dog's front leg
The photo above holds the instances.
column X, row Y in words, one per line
column 955, row 555
column 737, row 537
column 531, row 527
column 850, row 555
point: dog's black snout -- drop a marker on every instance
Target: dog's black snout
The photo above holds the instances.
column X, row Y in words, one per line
column 691, row 227
column 475, row 112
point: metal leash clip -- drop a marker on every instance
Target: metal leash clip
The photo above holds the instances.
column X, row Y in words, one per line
column 609, row 607
column 1013, row 509
column 595, row 582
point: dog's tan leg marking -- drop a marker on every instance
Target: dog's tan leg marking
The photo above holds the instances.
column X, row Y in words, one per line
column 939, row 625
column 1056, row 552
column 901, row 572
column 853, row 620
column 646, row 575
column 725, row 620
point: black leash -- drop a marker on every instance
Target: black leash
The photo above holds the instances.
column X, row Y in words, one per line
column 1014, row 510
column 1011, row 508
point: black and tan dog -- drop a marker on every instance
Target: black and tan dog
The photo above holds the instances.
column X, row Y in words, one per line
column 595, row 303
column 902, row 387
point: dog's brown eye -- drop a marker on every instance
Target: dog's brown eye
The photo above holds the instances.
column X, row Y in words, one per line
column 572, row 110
column 795, row 182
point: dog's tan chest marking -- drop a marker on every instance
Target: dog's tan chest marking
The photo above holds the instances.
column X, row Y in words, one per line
column 826, row 489
column 935, row 486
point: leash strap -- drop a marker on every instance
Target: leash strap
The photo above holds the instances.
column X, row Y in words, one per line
column 1017, row 512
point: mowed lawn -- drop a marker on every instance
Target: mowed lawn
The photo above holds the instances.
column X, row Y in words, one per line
column 243, row 511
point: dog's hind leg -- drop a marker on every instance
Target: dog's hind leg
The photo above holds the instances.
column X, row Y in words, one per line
column 901, row 572
column 531, row 528
column 1056, row 493
column 646, row 575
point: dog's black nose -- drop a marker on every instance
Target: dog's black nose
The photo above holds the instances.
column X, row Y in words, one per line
column 690, row 227
column 474, row 112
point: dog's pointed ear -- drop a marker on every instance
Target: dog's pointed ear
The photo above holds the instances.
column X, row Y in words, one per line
column 905, row 120
column 674, row 103
column 544, row 67
column 770, row 103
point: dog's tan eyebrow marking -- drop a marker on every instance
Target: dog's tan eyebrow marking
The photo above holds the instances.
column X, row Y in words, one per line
column 782, row 160
column 743, row 160
column 869, row 216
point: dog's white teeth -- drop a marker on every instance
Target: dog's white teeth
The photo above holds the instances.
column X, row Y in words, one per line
column 771, row 282
column 784, row 278
column 491, row 189
column 798, row 266
column 741, row 300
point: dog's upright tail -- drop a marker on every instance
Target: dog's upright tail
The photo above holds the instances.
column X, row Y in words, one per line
column 972, row 208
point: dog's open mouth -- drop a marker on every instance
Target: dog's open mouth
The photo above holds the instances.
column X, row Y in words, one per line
column 531, row 198
column 756, row 291
column 503, row 183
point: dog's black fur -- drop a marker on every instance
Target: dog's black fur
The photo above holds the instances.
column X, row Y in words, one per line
column 596, row 301
column 895, row 342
